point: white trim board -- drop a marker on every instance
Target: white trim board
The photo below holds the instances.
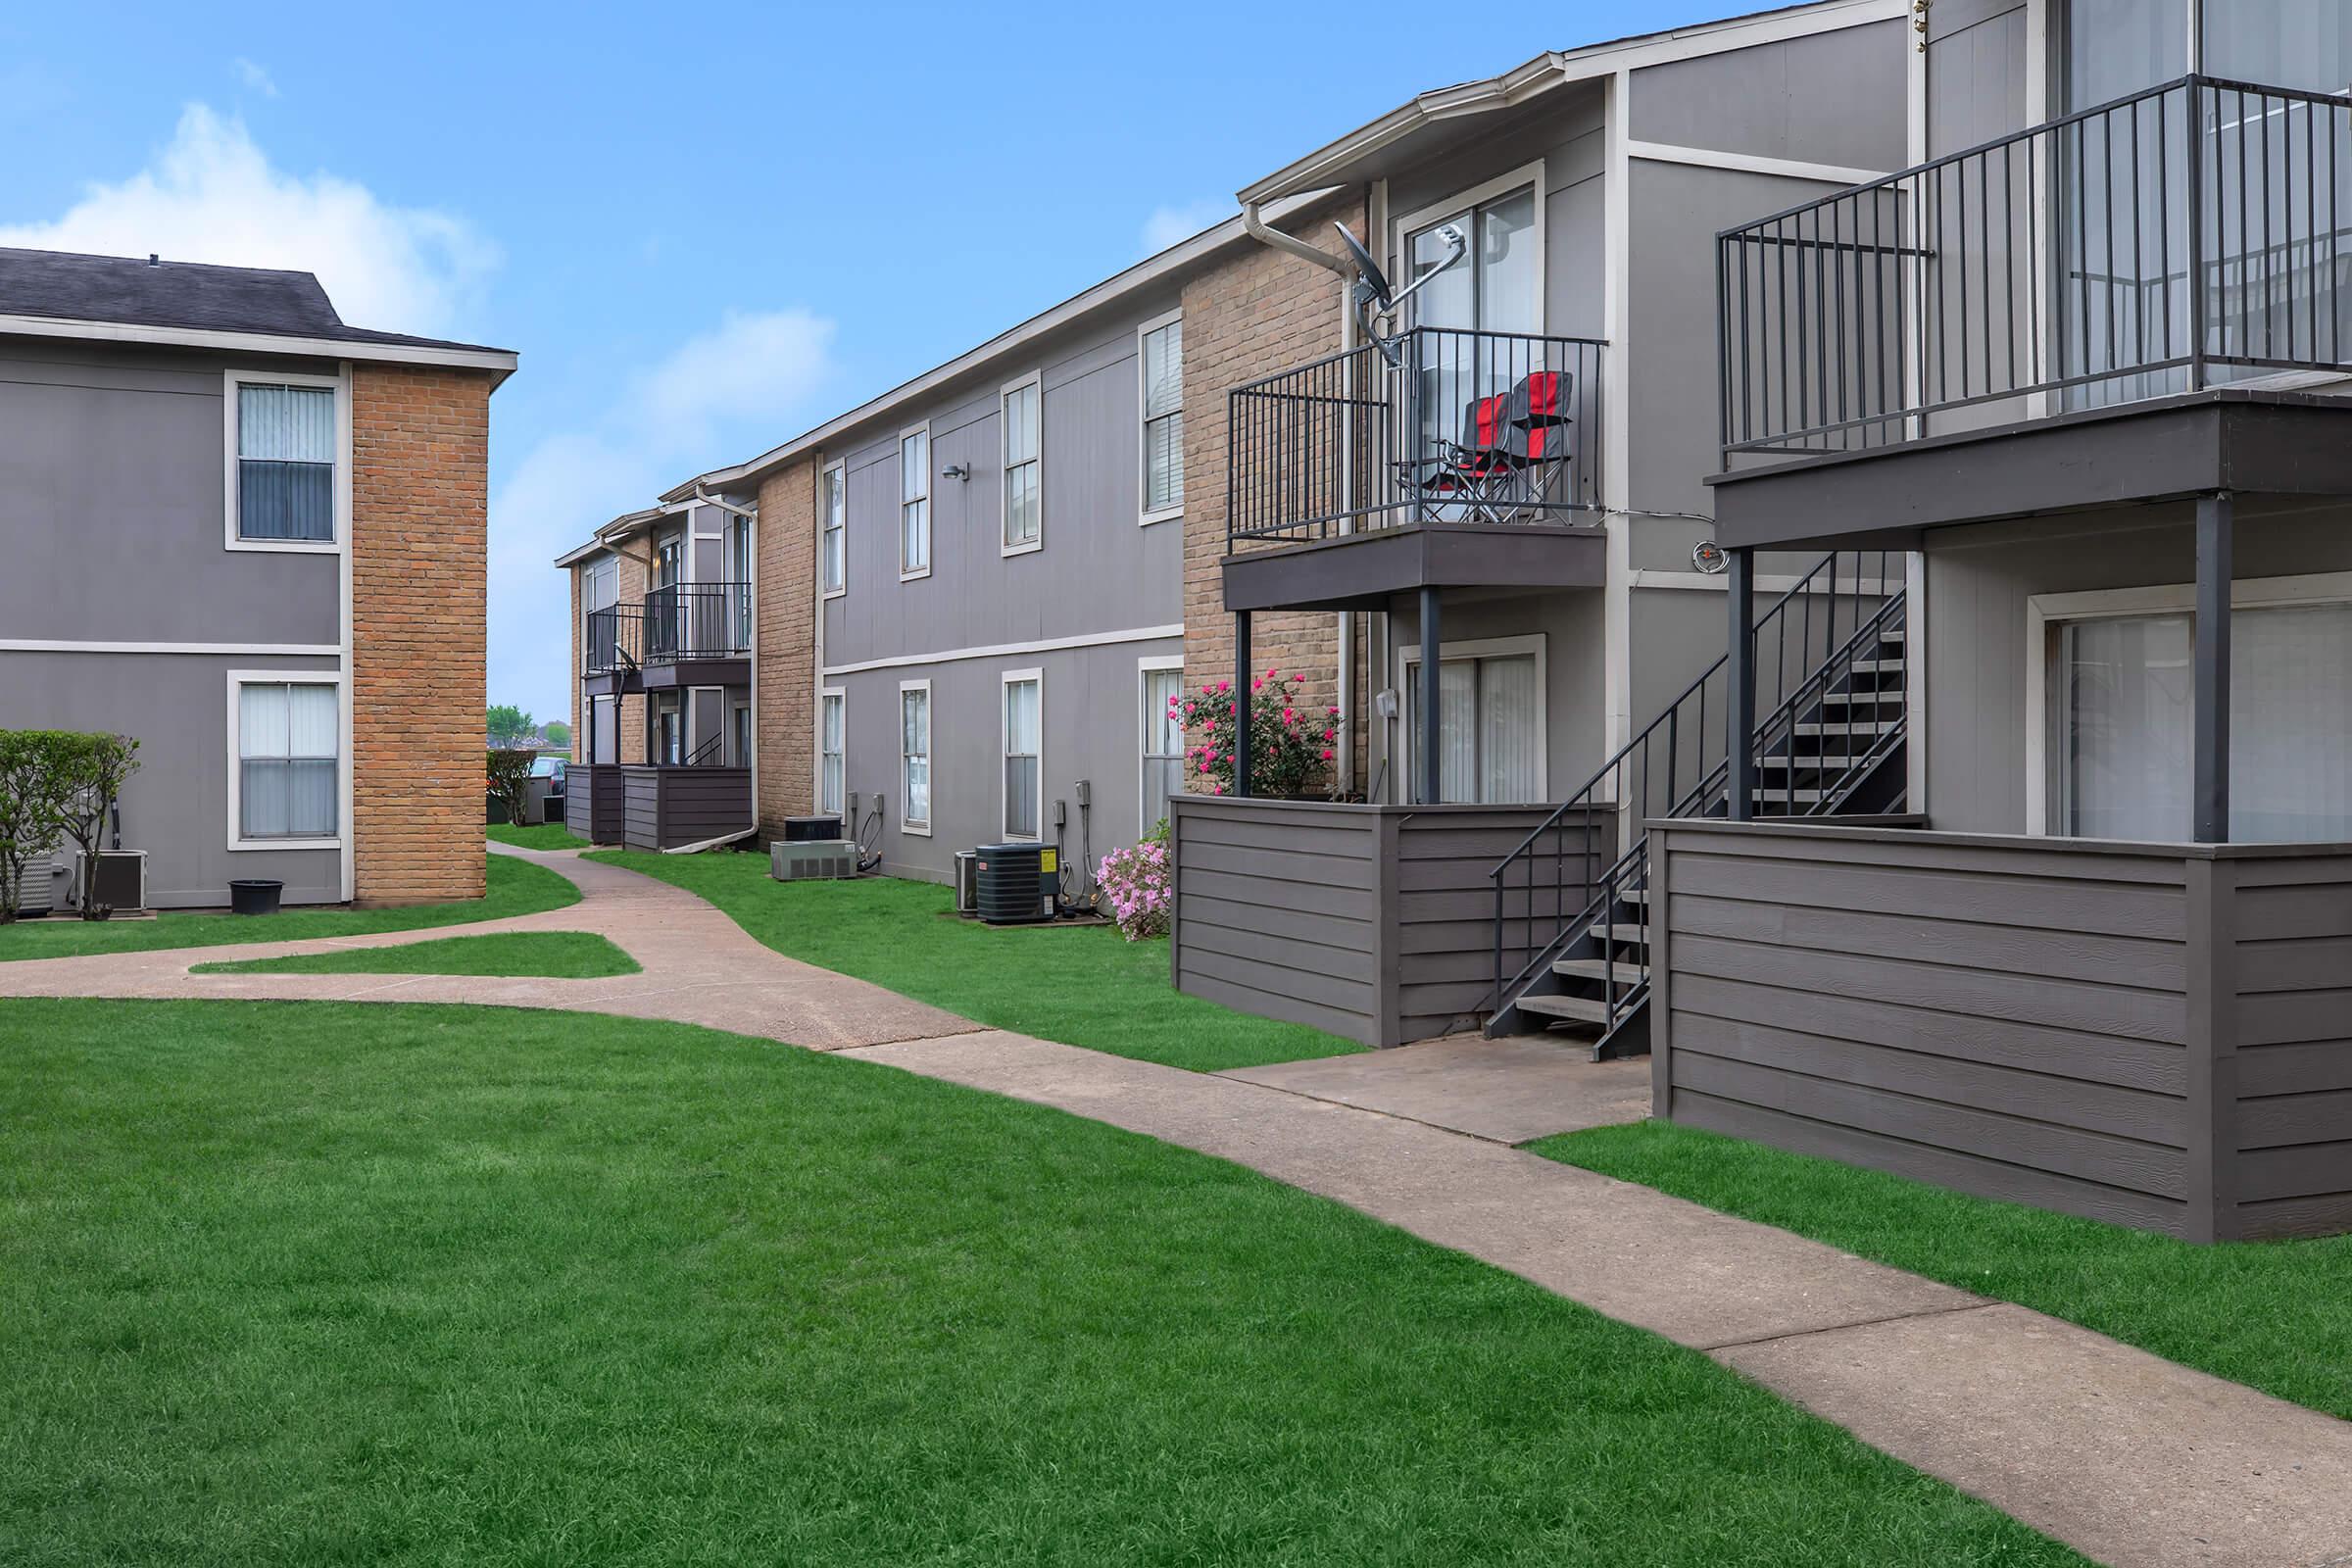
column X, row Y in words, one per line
column 67, row 645
column 1049, row 645
column 1655, row 152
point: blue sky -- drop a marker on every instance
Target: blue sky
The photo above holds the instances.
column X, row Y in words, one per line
column 704, row 228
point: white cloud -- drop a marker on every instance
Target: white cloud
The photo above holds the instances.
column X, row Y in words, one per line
column 743, row 381
column 211, row 195
column 253, row 76
column 1172, row 224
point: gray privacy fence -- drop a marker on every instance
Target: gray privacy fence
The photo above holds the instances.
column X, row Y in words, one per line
column 2155, row 1035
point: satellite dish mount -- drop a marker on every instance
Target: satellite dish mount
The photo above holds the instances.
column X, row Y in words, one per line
column 1376, row 305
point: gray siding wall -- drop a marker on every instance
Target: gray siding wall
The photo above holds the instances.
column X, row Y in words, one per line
column 1100, row 569
column 1374, row 922
column 1976, row 72
column 113, row 464
column 177, row 805
column 1979, row 581
column 1093, row 712
column 592, row 802
column 2155, row 1035
column 2290, row 959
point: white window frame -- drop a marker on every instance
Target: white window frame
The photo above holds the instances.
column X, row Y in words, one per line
column 930, row 504
column 340, row 385
column 236, row 773
column 1403, row 228
column 835, row 474
column 920, row 829
column 833, row 694
column 1144, row 514
column 2046, row 613
column 1146, row 665
column 1408, row 667
column 1037, row 379
column 1009, row 679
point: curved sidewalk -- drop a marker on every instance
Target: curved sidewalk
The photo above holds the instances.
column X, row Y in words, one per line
column 2128, row 1457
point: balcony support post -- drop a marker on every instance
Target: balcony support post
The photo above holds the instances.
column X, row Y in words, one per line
column 1428, row 746
column 1243, row 711
column 1740, row 676
column 2210, row 777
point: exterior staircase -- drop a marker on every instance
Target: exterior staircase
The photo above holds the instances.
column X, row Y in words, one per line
column 1572, row 906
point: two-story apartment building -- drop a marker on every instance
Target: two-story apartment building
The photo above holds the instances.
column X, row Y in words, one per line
column 965, row 600
column 252, row 537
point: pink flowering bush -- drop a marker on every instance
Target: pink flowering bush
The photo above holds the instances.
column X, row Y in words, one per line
column 1290, row 746
column 1137, row 888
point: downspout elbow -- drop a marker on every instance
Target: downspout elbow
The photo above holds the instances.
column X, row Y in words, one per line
column 1254, row 222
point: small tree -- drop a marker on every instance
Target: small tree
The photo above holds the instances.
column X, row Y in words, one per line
column 31, row 806
column 506, row 723
column 510, row 783
column 558, row 732
column 94, row 770
column 1290, row 747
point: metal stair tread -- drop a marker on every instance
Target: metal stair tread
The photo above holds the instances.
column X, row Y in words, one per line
column 1625, row 973
column 1582, row 1009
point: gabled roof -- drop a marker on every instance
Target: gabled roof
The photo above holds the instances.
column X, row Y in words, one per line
column 64, row 294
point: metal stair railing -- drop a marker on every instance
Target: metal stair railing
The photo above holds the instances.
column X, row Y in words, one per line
column 1807, row 640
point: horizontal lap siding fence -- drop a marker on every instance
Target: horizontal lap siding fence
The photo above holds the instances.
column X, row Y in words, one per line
column 2024, row 1021
column 2289, row 955
column 592, row 801
column 1373, row 923
column 664, row 808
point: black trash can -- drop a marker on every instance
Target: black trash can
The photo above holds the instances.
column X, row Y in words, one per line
column 254, row 896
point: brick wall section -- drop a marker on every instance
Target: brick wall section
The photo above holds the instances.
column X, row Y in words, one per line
column 421, row 450
column 1259, row 312
column 785, row 603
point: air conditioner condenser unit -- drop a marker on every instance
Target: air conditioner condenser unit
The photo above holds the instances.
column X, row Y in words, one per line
column 811, row 859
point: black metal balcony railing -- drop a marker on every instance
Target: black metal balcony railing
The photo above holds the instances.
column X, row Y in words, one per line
column 2189, row 236
column 697, row 620
column 1464, row 427
column 613, row 640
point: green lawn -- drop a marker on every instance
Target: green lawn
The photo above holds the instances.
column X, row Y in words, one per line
column 546, row 836
column 516, row 887
column 2277, row 1315
column 288, row 1283
column 1080, row 985
column 552, row 954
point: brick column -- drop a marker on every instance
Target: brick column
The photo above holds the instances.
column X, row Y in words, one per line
column 785, row 605
column 1257, row 312
column 420, row 448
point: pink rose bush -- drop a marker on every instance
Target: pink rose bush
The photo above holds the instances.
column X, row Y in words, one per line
column 1137, row 886
column 1283, row 738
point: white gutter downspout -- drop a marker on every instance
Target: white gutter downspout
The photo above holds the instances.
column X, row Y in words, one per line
column 1255, row 225
column 712, row 844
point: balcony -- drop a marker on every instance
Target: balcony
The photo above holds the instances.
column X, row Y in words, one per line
column 2135, row 301
column 1456, row 459
column 685, row 633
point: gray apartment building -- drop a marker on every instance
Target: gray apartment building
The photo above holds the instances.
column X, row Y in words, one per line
column 1820, row 534
column 251, row 536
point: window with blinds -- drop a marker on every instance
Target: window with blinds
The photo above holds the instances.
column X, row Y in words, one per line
column 286, row 463
column 837, row 525
column 288, row 744
column 831, row 759
column 1163, row 420
column 915, row 503
column 1023, row 506
column 1163, row 743
column 1489, row 726
column 1022, row 744
column 915, row 755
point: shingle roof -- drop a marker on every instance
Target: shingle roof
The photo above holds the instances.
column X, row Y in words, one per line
column 131, row 292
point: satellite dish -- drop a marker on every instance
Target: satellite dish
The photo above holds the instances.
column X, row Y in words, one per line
column 1373, row 303
column 1371, row 283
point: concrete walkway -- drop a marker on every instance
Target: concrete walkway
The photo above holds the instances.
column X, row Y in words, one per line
column 2129, row 1458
